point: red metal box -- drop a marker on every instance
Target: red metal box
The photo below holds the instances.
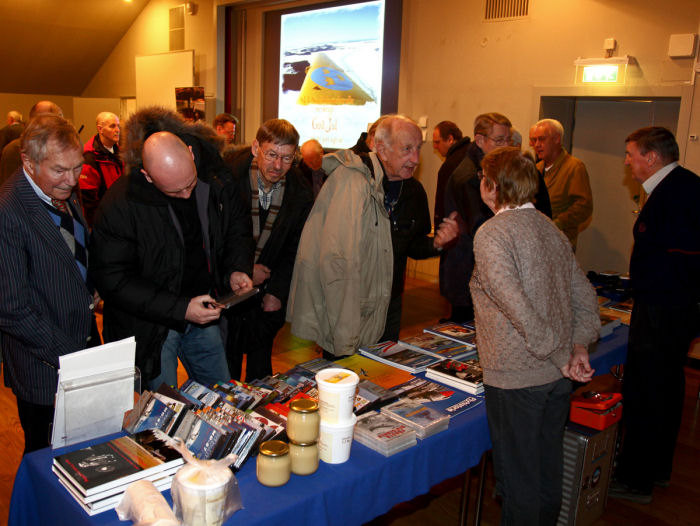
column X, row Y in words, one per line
column 596, row 410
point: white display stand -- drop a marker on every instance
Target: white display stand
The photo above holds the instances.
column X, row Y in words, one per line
column 95, row 388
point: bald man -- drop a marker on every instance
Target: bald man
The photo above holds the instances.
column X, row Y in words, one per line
column 102, row 163
column 166, row 241
column 13, row 130
column 10, row 159
column 310, row 165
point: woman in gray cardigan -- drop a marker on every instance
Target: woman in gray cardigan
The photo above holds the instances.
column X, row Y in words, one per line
column 535, row 315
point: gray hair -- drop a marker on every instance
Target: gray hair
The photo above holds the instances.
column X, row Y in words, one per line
column 554, row 126
column 387, row 127
column 15, row 116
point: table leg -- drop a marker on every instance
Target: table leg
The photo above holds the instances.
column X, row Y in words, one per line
column 480, row 493
column 464, row 503
column 466, row 491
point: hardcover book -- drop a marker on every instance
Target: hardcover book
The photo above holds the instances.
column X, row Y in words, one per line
column 399, row 355
column 374, row 371
column 467, row 376
column 447, row 400
column 116, row 462
column 454, row 331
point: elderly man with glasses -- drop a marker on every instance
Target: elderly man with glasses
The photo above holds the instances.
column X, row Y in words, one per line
column 491, row 131
column 279, row 198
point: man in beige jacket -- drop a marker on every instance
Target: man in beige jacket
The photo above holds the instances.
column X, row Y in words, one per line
column 566, row 179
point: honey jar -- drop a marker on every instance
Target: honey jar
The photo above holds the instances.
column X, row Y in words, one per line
column 273, row 466
column 304, row 458
column 303, row 421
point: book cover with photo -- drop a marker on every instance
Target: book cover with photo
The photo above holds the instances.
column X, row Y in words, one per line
column 399, row 355
column 454, row 331
column 447, row 400
column 115, row 462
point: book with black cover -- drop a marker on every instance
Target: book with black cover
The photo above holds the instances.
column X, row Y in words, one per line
column 116, row 462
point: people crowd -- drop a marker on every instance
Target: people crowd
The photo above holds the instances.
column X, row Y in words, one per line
column 161, row 221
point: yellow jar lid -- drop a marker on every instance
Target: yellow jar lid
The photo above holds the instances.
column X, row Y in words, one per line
column 304, row 405
column 274, row 448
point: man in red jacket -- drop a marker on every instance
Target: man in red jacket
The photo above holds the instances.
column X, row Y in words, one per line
column 102, row 163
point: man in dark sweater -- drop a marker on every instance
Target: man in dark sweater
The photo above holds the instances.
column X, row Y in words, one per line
column 665, row 278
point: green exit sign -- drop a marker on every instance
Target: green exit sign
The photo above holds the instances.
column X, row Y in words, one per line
column 603, row 73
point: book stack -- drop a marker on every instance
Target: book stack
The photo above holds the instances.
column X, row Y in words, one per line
column 383, row 434
column 399, row 355
column 448, row 400
column 439, row 346
column 467, row 376
column 458, row 332
column 97, row 476
column 425, row 421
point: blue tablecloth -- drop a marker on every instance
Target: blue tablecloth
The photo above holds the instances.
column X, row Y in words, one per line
column 355, row 492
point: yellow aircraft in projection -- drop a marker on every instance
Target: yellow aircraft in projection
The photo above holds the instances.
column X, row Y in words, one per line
column 326, row 83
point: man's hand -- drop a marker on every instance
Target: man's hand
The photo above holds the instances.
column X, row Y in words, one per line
column 240, row 283
column 271, row 303
column 260, row 273
column 447, row 231
column 201, row 310
column 578, row 368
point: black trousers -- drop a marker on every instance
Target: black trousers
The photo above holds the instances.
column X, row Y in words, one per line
column 653, row 391
column 36, row 423
column 392, row 326
column 252, row 331
column 527, row 433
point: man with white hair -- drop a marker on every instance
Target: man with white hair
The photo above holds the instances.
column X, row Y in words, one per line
column 343, row 276
column 102, row 163
column 566, row 178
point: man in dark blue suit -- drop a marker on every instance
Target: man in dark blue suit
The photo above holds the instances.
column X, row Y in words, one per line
column 665, row 276
column 46, row 306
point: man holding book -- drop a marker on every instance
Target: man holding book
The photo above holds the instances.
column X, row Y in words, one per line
column 167, row 240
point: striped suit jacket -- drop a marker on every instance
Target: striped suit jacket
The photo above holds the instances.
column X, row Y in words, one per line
column 46, row 309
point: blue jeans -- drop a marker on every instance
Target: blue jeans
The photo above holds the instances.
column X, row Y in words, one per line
column 527, row 432
column 201, row 351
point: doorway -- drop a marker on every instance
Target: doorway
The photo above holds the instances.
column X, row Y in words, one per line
column 595, row 132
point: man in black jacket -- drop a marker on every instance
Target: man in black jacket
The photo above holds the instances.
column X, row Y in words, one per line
column 665, row 278
column 280, row 199
column 449, row 142
column 167, row 239
column 406, row 202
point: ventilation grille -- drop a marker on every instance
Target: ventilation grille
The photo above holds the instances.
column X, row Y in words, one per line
column 505, row 9
column 177, row 28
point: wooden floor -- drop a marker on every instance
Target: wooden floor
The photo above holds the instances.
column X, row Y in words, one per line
column 677, row 505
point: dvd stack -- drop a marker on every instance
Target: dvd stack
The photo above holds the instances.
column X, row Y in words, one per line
column 425, row 421
column 383, row 434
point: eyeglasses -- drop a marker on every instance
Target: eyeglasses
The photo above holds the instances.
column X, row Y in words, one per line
column 499, row 141
column 273, row 156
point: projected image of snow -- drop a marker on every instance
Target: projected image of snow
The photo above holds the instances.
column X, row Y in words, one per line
column 331, row 71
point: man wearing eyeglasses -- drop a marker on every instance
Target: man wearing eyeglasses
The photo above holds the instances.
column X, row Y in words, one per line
column 491, row 131
column 566, row 179
column 280, row 199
